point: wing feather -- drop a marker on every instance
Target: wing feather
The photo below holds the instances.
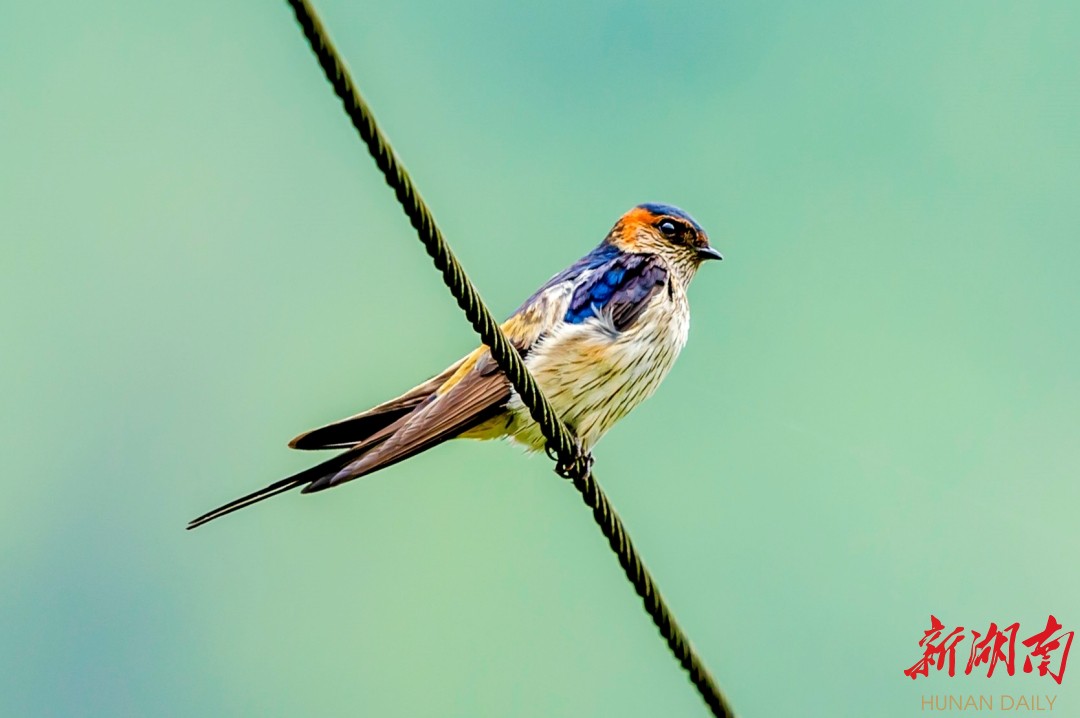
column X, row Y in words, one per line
column 464, row 402
column 622, row 287
column 474, row 390
column 360, row 427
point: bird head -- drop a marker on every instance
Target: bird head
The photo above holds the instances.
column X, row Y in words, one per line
column 666, row 231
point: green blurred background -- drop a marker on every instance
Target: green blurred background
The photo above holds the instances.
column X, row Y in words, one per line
column 876, row 417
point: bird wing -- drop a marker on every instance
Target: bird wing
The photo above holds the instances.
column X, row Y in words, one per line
column 473, row 391
column 469, row 397
column 619, row 289
column 524, row 328
column 354, row 429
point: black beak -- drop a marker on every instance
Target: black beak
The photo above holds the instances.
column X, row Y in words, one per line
column 708, row 252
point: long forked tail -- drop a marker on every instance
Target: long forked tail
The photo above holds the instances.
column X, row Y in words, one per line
column 384, row 436
column 305, row 477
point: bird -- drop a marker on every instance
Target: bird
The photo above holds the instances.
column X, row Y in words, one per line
column 598, row 337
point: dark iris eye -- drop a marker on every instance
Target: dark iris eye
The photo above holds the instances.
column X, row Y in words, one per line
column 668, row 229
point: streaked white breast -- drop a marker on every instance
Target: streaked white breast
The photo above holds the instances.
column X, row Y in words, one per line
column 594, row 375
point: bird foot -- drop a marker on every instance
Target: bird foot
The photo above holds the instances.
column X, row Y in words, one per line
column 581, row 464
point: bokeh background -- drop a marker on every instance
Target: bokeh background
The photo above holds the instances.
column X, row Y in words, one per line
column 876, row 417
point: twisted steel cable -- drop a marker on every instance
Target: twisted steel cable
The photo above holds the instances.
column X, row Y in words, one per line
column 572, row 464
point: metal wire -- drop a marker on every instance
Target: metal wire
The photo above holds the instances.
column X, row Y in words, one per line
column 571, row 463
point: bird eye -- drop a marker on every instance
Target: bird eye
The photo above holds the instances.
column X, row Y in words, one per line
column 668, row 229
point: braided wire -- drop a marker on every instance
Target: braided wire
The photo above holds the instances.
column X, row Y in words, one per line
column 561, row 442
column 420, row 217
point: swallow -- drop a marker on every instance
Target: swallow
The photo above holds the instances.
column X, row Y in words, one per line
column 599, row 337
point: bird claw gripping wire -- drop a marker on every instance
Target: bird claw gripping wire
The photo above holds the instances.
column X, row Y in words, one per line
column 578, row 467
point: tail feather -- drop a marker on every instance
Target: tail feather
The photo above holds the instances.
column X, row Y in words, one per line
column 348, row 432
column 351, row 430
column 440, row 409
column 307, row 476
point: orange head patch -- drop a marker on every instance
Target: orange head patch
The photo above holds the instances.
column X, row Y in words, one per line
column 654, row 225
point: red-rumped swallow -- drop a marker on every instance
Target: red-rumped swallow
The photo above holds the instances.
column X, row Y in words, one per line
column 599, row 337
